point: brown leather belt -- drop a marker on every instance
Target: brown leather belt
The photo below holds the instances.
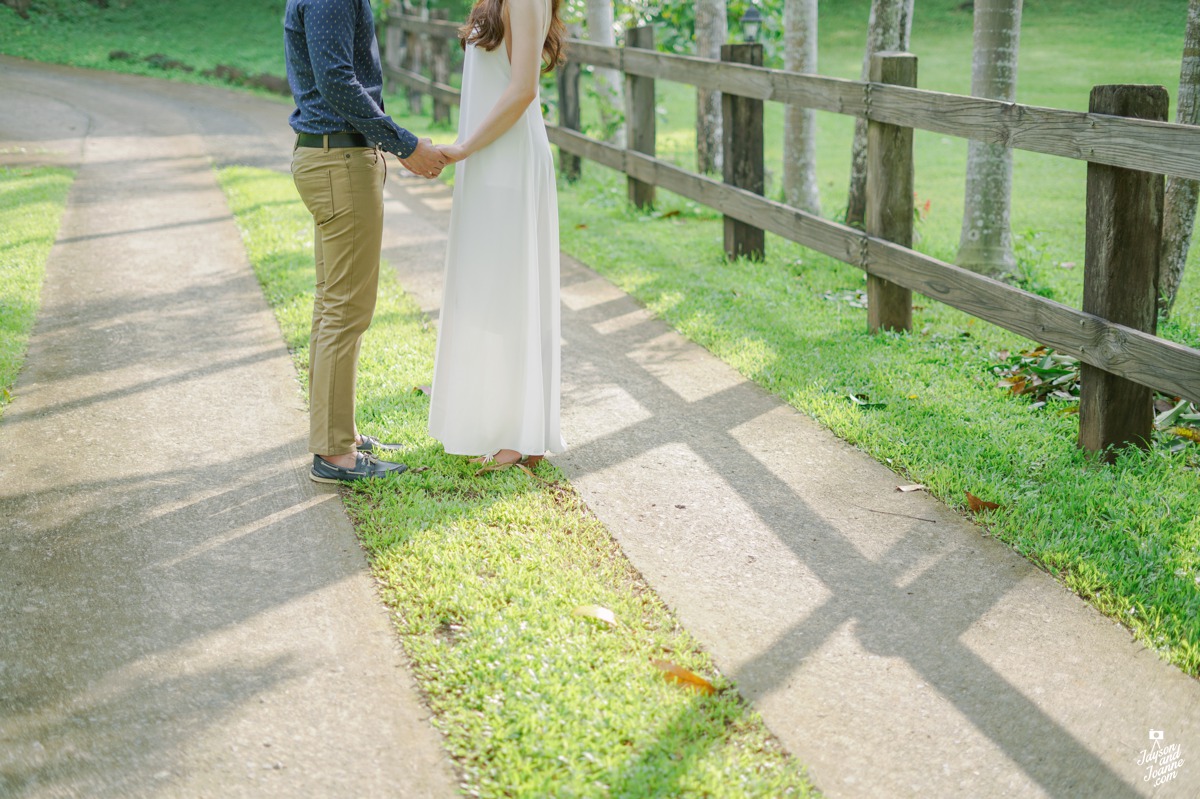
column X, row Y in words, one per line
column 335, row 140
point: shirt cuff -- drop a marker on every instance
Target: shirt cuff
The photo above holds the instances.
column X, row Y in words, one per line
column 405, row 144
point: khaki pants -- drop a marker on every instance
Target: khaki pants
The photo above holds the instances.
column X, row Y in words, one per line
column 342, row 188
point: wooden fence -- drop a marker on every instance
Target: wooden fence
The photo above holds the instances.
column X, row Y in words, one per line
column 1123, row 137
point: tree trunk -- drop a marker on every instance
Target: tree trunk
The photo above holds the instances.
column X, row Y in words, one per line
column 20, row 6
column 888, row 28
column 711, row 32
column 985, row 245
column 607, row 82
column 1179, row 213
column 799, row 125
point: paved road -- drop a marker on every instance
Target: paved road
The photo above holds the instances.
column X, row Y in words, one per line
column 889, row 644
column 184, row 612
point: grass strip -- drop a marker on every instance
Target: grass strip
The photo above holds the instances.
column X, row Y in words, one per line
column 484, row 575
column 32, row 200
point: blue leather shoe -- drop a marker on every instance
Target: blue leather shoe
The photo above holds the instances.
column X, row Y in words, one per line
column 373, row 444
column 366, row 467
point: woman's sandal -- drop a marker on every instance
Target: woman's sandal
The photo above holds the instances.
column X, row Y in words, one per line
column 506, row 458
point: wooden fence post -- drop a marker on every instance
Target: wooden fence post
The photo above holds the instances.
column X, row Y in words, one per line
column 439, row 63
column 1120, row 279
column 568, row 117
column 890, row 194
column 639, row 115
column 742, row 151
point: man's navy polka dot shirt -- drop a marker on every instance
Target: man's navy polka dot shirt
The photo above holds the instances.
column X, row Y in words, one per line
column 333, row 68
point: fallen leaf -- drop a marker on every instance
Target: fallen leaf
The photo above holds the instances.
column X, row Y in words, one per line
column 669, row 214
column 419, row 469
column 863, row 400
column 1168, row 418
column 1162, row 405
column 1190, row 433
column 596, row 612
column 978, row 505
column 912, row 487
column 681, row 675
column 580, row 226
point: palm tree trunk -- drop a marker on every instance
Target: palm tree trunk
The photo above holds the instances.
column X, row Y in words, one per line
column 711, row 32
column 1179, row 207
column 888, row 27
column 985, row 245
column 607, row 82
column 799, row 125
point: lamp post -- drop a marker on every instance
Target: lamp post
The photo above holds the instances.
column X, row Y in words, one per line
column 751, row 24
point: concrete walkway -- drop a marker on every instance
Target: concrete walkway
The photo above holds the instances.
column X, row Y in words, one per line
column 184, row 612
column 176, row 611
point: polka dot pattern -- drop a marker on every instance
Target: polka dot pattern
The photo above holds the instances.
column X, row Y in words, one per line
column 333, row 68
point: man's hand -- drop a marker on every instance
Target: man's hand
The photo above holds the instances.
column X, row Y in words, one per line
column 426, row 161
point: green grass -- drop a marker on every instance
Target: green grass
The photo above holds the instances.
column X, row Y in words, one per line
column 31, row 205
column 483, row 574
column 247, row 34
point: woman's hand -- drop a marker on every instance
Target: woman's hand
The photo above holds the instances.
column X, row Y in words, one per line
column 452, row 152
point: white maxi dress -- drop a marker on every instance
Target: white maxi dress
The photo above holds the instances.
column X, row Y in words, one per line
column 497, row 370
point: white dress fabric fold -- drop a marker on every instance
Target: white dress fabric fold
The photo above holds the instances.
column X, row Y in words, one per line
column 497, row 372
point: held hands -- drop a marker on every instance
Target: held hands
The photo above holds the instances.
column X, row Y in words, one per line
column 426, row 161
column 453, row 153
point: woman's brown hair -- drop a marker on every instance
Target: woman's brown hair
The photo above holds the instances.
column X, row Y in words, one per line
column 485, row 28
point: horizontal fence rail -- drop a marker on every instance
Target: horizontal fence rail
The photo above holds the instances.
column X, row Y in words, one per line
column 1114, row 348
column 1161, row 147
column 1127, row 143
column 432, row 27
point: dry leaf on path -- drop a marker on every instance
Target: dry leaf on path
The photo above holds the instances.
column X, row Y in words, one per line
column 681, row 675
column 912, row 487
